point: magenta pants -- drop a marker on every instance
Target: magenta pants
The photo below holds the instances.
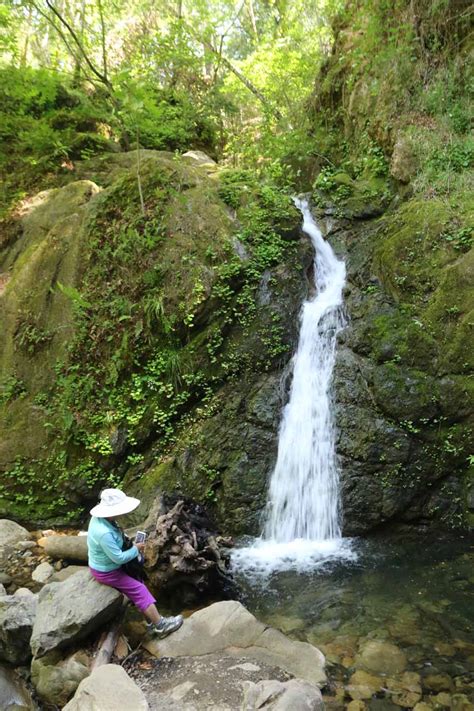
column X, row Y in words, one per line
column 136, row 591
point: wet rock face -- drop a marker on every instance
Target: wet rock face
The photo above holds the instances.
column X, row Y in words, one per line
column 403, row 408
column 14, row 695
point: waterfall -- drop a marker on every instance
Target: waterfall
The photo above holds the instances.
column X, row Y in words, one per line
column 303, row 496
column 303, row 517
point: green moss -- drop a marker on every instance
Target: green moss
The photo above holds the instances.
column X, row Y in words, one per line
column 419, row 264
column 133, row 320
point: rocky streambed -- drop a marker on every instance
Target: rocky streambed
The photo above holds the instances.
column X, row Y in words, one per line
column 396, row 625
column 393, row 629
column 56, row 622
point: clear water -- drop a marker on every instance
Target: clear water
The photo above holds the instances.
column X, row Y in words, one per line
column 417, row 596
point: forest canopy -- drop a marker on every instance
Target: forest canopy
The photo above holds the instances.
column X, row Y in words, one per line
column 174, row 72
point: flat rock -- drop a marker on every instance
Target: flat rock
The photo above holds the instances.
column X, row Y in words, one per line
column 212, row 681
column 14, row 696
column 60, row 575
column 108, row 688
column 66, row 547
column 363, row 685
column 199, row 157
column 42, row 573
column 17, row 615
column 406, row 690
column 227, row 627
column 71, row 610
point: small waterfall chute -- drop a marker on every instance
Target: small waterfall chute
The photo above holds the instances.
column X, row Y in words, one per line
column 302, row 524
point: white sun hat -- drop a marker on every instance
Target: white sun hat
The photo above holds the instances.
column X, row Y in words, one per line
column 114, row 502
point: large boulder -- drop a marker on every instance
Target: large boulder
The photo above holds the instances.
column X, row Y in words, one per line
column 56, row 679
column 10, row 534
column 108, row 688
column 14, row 695
column 229, row 628
column 67, row 547
column 61, row 575
column 71, row 610
column 17, row 615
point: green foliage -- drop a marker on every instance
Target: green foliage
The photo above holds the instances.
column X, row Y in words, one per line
column 164, row 119
column 10, row 389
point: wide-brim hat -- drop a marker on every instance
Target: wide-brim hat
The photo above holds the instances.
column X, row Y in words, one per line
column 114, row 502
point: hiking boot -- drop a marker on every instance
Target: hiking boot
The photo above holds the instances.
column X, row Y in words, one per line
column 166, row 626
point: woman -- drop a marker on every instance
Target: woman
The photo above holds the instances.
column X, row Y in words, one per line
column 104, row 542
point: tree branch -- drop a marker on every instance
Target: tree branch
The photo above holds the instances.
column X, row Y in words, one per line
column 102, row 78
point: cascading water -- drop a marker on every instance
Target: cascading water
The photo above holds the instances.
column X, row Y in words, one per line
column 302, row 524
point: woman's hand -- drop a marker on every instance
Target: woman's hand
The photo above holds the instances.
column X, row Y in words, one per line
column 140, row 546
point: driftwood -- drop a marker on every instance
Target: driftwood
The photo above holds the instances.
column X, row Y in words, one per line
column 184, row 554
column 109, row 641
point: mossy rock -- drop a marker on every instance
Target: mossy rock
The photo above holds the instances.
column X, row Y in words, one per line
column 123, row 319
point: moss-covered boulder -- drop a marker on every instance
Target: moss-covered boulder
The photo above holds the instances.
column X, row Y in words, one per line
column 137, row 308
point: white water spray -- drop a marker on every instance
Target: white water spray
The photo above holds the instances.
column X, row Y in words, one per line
column 303, row 525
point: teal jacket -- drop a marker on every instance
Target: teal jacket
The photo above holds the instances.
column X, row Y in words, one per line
column 104, row 543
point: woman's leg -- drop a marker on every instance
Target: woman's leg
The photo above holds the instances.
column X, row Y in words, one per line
column 142, row 598
column 135, row 590
column 152, row 614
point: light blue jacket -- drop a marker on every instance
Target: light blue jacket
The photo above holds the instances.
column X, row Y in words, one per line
column 104, row 543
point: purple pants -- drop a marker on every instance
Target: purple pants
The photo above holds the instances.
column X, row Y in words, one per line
column 136, row 591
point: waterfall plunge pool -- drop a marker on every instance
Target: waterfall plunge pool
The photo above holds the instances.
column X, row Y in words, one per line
column 413, row 595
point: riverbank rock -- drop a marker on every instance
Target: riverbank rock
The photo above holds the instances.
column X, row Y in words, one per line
column 17, row 615
column 282, row 696
column 11, row 533
column 108, row 688
column 227, row 627
column 71, row 610
column 56, row 679
column 211, row 681
column 66, row 547
column 14, row 696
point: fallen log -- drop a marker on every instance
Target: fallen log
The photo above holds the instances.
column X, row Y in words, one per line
column 72, row 548
column 109, row 641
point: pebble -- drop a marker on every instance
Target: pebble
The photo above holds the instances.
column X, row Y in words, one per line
column 363, row 685
column 25, row 545
column 23, row 592
column 5, row 579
